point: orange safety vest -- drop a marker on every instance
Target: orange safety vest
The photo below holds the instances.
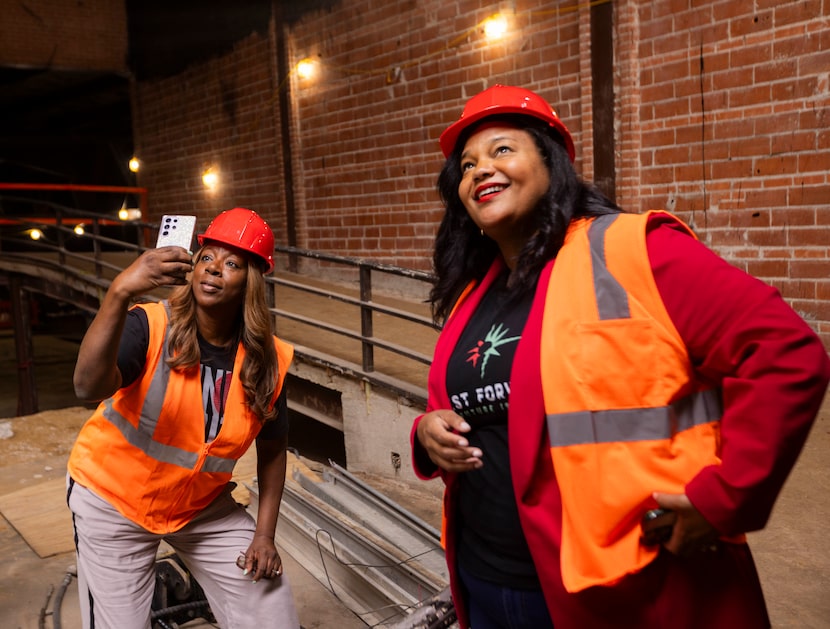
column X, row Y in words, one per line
column 625, row 415
column 144, row 451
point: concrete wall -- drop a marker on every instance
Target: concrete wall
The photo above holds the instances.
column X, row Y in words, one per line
column 720, row 115
column 375, row 422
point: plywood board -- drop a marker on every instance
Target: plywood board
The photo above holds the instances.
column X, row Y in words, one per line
column 40, row 515
column 243, row 473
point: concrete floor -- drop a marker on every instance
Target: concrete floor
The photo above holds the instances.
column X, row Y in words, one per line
column 33, row 584
column 792, row 553
column 29, row 584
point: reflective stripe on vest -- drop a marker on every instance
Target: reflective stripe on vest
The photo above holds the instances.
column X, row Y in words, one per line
column 142, row 436
column 612, row 300
column 161, row 451
column 635, row 424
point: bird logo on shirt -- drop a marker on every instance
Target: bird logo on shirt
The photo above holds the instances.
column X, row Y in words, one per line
column 489, row 347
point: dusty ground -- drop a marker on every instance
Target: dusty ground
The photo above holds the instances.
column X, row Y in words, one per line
column 37, row 452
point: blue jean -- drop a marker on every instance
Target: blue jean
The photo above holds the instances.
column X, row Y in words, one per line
column 492, row 606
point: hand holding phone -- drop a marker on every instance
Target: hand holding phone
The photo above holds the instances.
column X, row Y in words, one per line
column 176, row 230
column 657, row 525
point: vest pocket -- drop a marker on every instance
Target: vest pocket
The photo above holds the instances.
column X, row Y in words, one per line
column 618, row 364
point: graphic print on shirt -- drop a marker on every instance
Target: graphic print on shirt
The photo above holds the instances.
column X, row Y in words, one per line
column 484, row 387
column 215, row 386
column 480, row 365
column 491, row 343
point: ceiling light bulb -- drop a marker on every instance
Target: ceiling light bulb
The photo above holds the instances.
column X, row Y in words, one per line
column 35, row 234
column 79, row 229
column 134, row 164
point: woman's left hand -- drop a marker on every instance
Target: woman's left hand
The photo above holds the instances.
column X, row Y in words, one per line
column 691, row 533
column 261, row 560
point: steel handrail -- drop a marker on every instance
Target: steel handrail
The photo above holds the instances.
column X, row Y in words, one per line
column 103, row 270
column 367, row 306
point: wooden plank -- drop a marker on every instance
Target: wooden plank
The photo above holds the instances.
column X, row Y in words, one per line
column 40, row 515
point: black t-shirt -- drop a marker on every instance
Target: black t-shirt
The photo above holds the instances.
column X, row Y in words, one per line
column 216, row 365
column 491, row 545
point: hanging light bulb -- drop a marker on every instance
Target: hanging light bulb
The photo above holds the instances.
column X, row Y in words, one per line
column 134, row 164
column 35, row 234
column 128, row 213
column 79, row 229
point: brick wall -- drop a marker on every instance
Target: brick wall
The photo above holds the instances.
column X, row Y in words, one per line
column 721, row 115
column 367, row 126
column 222, row 115
column 733, row 125
column 69, row 34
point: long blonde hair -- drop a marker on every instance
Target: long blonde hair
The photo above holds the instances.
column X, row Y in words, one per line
column 259, row 368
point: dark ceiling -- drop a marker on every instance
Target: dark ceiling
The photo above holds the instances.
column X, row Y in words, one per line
column 75, row 126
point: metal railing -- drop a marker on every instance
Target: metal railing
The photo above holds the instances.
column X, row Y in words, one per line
column 367, row 306
column 91, row 258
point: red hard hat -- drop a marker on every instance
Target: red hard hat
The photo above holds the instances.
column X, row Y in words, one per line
column 243, row 229
column 504, row 99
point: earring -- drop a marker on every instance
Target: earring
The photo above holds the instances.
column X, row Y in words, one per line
column 482, row 231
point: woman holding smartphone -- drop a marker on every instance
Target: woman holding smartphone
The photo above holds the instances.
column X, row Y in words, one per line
column 185, row 387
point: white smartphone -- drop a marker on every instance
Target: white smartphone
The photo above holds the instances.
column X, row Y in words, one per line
column 176, row 229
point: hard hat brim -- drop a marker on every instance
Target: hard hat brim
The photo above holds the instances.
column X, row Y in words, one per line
column 450, row 135
column 266, row 265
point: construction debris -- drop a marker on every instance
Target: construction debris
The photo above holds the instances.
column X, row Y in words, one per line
column 381, row 561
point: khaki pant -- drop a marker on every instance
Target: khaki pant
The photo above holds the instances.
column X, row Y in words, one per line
column 116, row 573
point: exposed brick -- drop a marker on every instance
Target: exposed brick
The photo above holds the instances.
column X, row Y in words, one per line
column 89, row 35
column 768, row 268
column 818, row 269
column 817, row 196
column 766, row 238
column 808, row 236
column 751, row 130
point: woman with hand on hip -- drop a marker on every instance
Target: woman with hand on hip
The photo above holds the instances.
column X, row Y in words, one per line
column 593, row 366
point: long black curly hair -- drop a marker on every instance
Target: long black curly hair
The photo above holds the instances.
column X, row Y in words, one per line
column 462, row 253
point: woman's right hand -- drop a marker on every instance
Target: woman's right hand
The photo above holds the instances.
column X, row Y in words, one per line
column 96, row 370
column 165, row 266
column 441, row 434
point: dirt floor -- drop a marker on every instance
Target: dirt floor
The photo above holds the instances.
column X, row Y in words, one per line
column 33, row 452
column 792, row 553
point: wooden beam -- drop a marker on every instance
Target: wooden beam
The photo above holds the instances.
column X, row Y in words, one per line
column 26, row 387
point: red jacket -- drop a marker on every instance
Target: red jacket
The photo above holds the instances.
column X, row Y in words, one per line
column 773, row 371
